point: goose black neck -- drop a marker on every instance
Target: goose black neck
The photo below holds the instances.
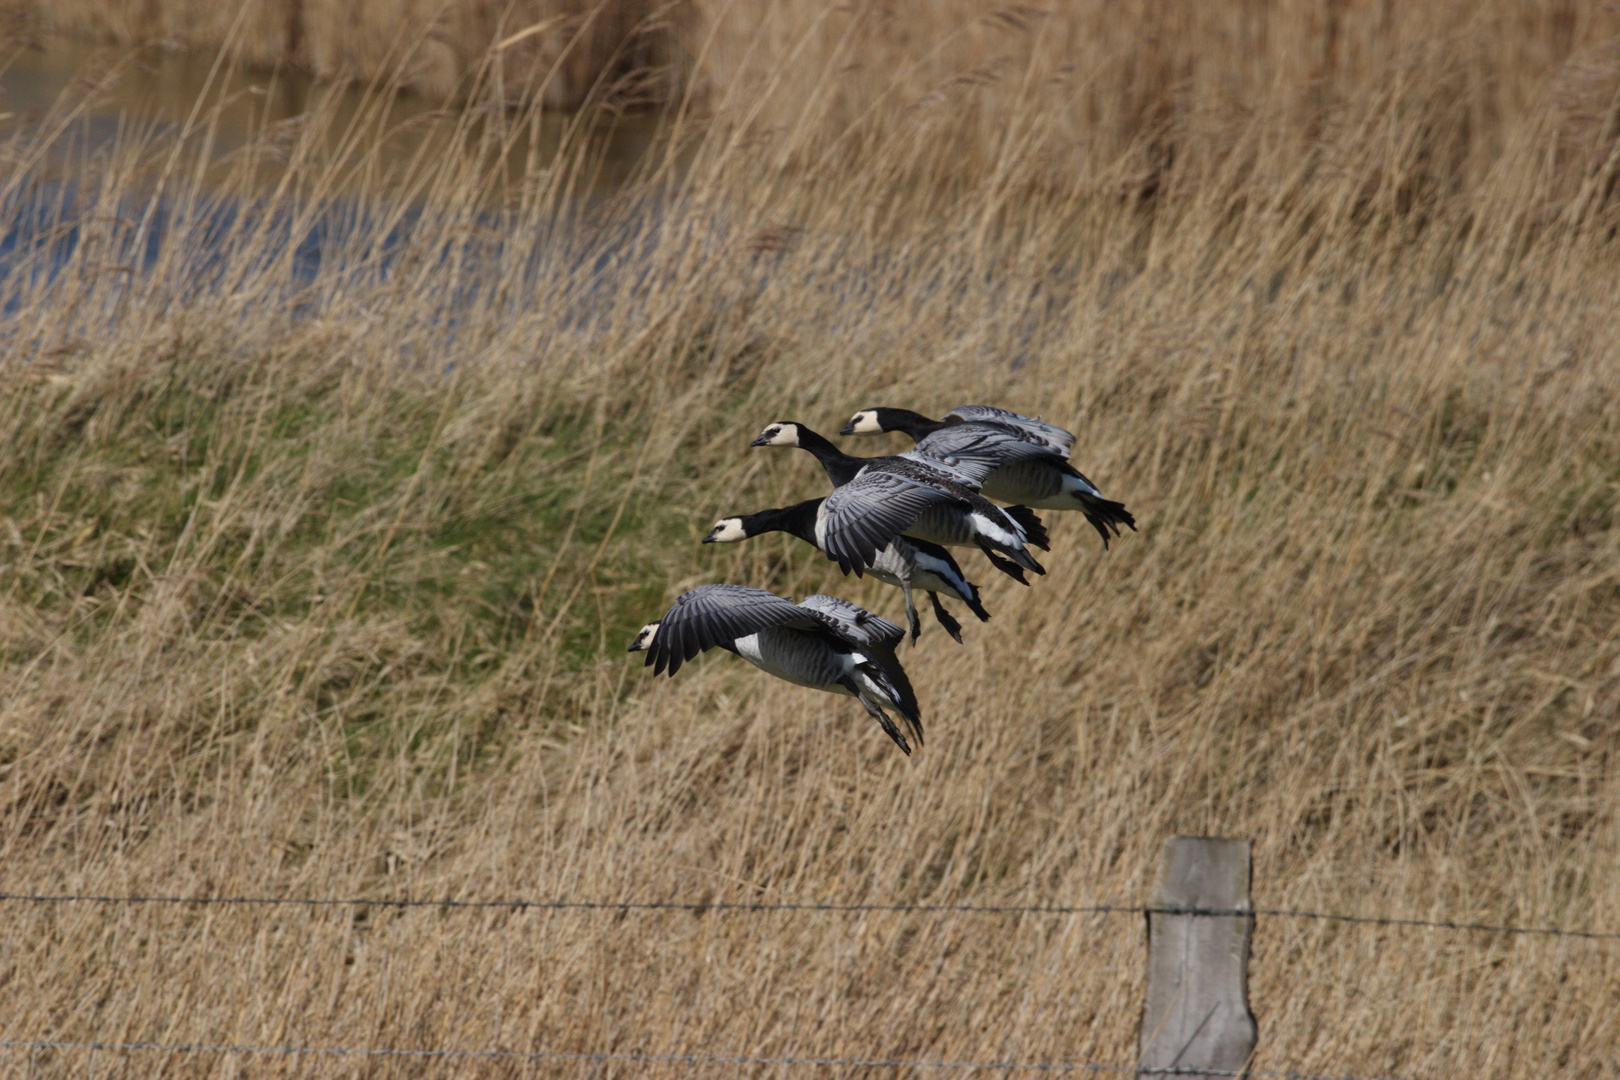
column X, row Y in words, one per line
column 841, row 468
column 914, row 424
column 797, row 520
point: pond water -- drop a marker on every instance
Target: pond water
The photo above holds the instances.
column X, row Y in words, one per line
column 163, row 89
column 51, row 207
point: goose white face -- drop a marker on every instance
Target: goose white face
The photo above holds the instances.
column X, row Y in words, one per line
column 726, row 531
column 865, row 422
column 782, row 434
column 644, row 639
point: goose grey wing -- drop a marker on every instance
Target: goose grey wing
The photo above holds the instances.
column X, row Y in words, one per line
column 968, row 471
column 712, row 615
column 978, row 444
column 870, row 511
column 850, row 621
column 878, row 637
column 1056, row 437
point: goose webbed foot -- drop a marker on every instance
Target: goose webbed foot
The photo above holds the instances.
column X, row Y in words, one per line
column 946, row 619
column 1006, row 566
column 911, row 612
column 888, row 726
column 878, row 714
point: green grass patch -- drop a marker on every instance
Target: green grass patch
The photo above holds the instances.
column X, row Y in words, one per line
column 267, row 496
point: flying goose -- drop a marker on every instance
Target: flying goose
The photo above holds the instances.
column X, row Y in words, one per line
column 1029, row 458
column 1059, row 439
column 822, row 642
column 906, row 564
column 931, row 498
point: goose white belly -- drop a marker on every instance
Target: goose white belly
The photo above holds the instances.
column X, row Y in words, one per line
column 1039, row 485
column 893, row 567
column 798, row 658
column 886, row 575
column 922, row 570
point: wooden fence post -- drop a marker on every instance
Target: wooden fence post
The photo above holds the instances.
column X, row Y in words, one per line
column 1196, row 1015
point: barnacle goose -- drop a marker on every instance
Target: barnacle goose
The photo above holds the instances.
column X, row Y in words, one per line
column 866, row 422
column 931, row 498
column 1029, row 458
column 906, row 564
column 822, row 642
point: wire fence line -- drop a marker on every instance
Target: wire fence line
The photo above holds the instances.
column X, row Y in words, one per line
column 730, row 906
column 671, row 1059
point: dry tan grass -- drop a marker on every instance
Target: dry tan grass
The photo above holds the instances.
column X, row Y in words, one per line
column 291, row 608
column 560, row 51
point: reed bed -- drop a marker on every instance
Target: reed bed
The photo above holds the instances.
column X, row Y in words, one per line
column 498, row 52
column 317, row 574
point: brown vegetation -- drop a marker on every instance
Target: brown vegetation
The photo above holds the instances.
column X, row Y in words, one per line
column 560, row 51
column 320, row 586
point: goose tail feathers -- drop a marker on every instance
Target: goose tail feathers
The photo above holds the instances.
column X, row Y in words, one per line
column 1106, row 515
column 1001, row 554
column 975, row 605
column 1034, row 531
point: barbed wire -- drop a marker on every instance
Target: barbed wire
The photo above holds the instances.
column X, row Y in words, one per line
column 704, row 906
column 673, row 1059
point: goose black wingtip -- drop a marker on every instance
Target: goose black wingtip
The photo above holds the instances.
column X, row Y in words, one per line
column 847, row 563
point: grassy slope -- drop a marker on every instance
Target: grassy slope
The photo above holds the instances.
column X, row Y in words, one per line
column 1370, row 620
column 235, row 502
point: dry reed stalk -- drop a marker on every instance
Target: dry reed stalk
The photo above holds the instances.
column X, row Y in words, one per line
column 562, row 51
column 1099, row 88
column 291, row 607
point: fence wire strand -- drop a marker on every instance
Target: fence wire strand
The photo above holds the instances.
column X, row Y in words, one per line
column 704, row 906
column 673, row 1059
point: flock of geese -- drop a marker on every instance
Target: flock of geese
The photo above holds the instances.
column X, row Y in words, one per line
column 893, row 517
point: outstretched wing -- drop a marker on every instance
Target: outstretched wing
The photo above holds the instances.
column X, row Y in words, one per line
column 868, row 512
column 968, row 471
column 1057, row 438
column 711, row 615
column 878, row 637
column 851, row 622
column 977, row 444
